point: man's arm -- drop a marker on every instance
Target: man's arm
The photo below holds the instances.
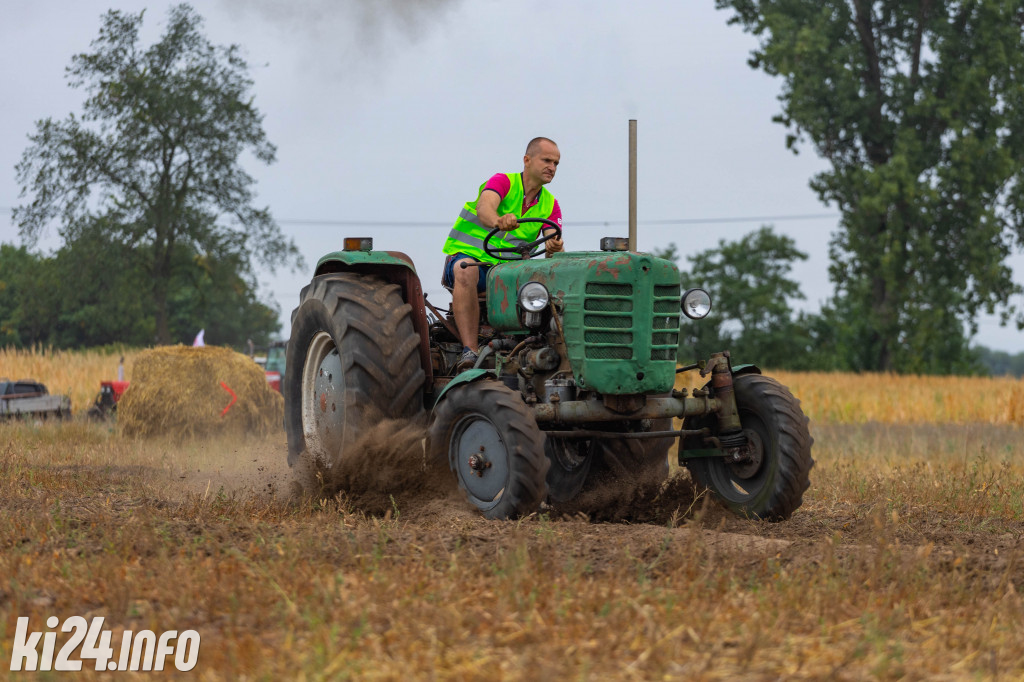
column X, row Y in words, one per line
column 487, row 212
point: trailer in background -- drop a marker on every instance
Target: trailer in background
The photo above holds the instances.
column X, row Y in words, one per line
column 30, row 399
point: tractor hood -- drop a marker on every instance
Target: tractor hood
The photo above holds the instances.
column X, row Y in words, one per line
column 619, row 311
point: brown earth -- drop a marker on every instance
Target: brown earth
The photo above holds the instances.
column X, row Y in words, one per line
column 903, row 562
column 391, row 479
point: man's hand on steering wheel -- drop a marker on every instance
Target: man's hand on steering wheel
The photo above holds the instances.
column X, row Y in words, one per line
column 507, row 222
column 554, row 245
column 524, row 251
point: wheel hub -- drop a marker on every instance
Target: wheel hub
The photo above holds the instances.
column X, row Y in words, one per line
column 745, row 460
column 478, row 463
column 480, row 459
column 323, row 406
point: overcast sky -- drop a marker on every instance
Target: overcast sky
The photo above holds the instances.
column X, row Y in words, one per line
column 391, row 110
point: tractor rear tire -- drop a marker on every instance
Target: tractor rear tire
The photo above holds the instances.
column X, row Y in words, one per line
column 771, row 488
column 353, row 359
column 493, row 444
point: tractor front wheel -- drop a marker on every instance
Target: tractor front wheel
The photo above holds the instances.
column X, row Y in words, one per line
column 769, row 484
column 493, row 445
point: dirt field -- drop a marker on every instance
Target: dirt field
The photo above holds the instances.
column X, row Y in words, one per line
column 903, row 563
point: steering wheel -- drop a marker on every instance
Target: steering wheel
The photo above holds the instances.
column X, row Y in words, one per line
column 523, row 251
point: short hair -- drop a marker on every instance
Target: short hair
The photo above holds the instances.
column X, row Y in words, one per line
column 531, row 148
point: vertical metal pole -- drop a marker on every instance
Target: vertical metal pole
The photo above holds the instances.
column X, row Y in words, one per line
column 632, row 184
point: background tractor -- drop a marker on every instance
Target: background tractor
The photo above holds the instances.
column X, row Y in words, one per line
column 573, row 389
column 105, row 405
column 275, row 365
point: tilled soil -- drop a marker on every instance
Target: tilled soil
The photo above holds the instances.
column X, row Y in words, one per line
column 392, row 479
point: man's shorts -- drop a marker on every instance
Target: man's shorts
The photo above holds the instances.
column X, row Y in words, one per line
column 448, row 276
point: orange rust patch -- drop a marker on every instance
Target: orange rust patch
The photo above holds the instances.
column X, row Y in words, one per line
column 611, row 267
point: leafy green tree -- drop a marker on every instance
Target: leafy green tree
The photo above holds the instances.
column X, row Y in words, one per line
column 102, row 296
column 213, row 292
column 999, row 363
column 751, row 293
column 919, row 108
column 155, row 156
column 84, row 296
column 24, row 313
column 670, row 252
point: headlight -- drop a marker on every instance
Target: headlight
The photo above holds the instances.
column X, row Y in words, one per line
column 534, row 297
column 696, row 304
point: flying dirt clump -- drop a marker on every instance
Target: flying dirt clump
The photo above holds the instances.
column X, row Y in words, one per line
column 179, row 391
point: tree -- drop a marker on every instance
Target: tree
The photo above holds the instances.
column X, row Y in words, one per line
column 155, row 156
column 919, row 108
column 999, row 363
column 24, row 317
column 83, row 296
column 750, row 289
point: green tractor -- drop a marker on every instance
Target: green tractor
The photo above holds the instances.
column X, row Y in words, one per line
column 573, row 388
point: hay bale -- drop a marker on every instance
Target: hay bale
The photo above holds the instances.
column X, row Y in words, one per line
column 176, row 391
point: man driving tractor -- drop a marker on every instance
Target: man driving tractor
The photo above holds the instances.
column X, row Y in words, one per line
column 500, row 203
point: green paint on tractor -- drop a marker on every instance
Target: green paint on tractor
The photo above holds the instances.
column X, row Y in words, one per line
column 619, row 313
column 363, row 258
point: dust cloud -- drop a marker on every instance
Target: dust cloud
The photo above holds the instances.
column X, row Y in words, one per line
column 386, row 469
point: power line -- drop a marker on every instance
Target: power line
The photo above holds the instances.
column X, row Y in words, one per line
column 573, row 223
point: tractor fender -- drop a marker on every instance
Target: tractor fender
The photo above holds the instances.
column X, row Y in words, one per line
column 363, row 261
column 467, row 377
column 397, row 268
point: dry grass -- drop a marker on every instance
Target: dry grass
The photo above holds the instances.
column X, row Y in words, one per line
column 905, row 562
column 891, row 399
column 74, row 373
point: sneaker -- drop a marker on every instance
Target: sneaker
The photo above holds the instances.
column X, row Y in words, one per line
column 466, row 360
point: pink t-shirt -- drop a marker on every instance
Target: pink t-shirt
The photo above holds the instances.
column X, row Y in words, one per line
column 500, row 183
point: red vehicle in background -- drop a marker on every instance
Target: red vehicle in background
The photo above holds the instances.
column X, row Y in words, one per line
column 106, row 402
column 275, row 365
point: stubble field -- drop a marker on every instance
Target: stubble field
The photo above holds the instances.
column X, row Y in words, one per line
column 903, row 563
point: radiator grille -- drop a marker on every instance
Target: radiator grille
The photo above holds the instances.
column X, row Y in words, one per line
column 608, row 321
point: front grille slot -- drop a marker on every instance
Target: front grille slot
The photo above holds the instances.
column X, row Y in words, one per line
column 609, row 305
column 607, row 322
column 609, row 353
column 614, row 338
column 609, row 289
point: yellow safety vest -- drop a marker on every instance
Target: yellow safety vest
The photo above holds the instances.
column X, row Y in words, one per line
column 467, row 235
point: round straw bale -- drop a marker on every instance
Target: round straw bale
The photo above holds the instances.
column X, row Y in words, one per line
column 179, row 391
